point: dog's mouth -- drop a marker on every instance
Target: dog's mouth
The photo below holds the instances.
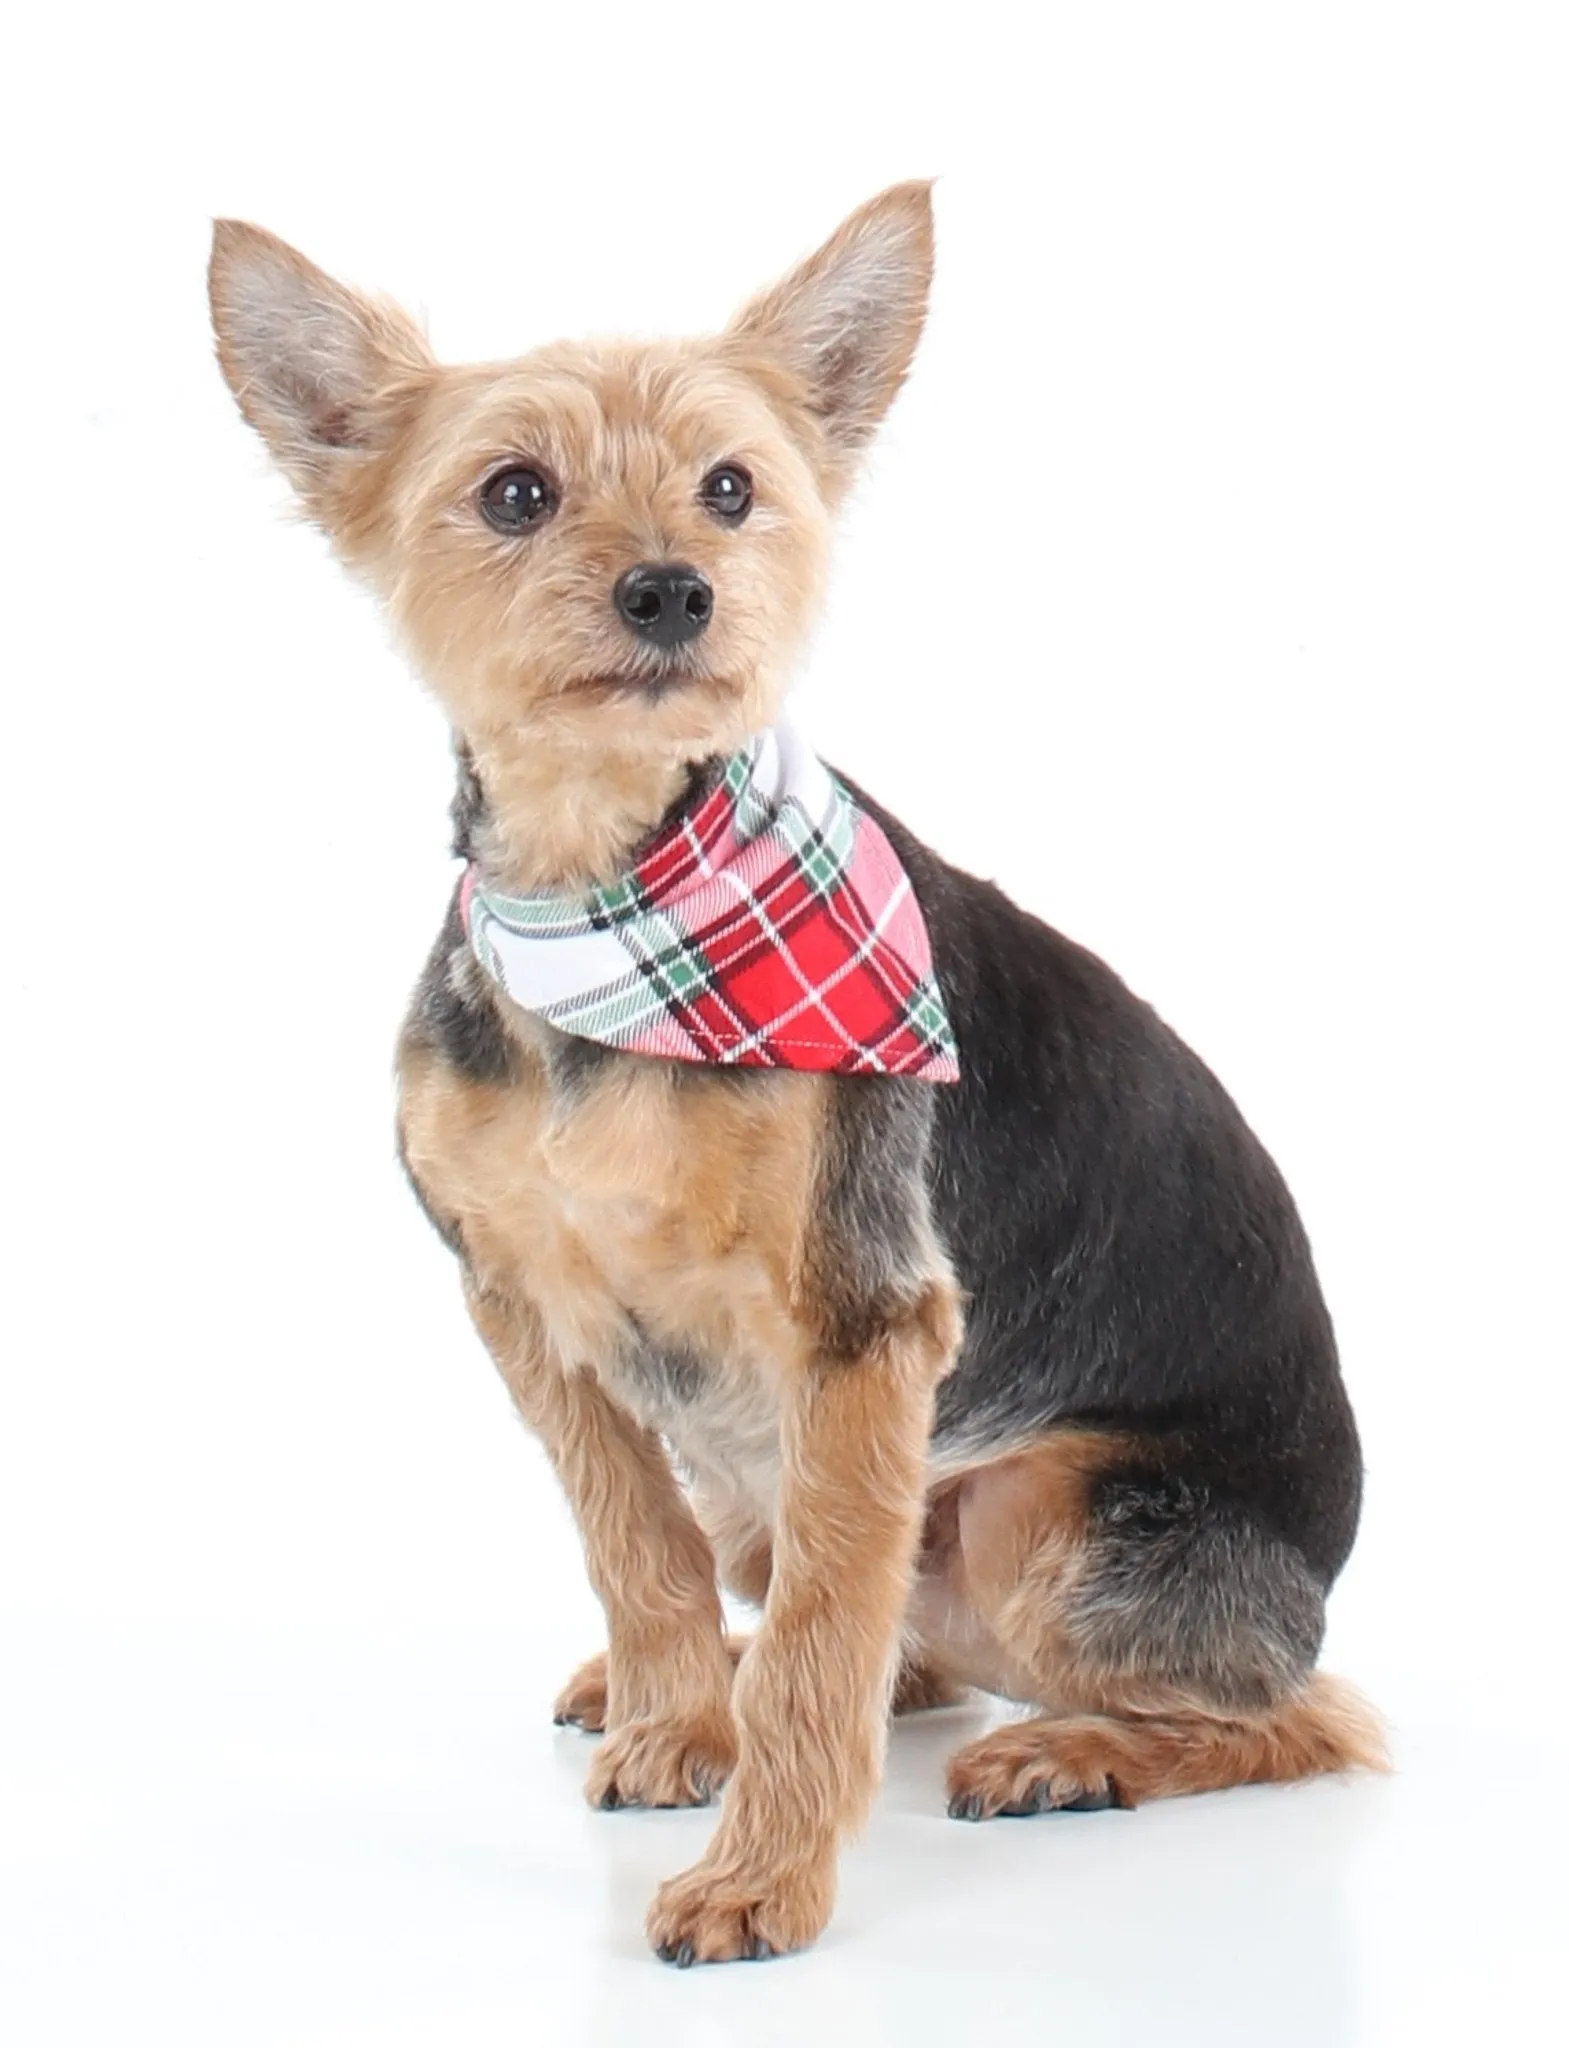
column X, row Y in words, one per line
column 651, row 685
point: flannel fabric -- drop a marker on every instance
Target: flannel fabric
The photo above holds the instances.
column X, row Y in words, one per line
column 771, row 925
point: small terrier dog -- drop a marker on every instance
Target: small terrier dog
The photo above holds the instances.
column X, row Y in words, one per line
column 1020, row 1381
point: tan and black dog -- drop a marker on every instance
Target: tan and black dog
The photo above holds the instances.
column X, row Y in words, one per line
column 1023, row 1383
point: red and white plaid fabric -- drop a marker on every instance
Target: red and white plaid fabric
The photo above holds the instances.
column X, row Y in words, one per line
column 771, row 926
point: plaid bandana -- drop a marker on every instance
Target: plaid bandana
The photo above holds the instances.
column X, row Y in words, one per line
column 771, row 926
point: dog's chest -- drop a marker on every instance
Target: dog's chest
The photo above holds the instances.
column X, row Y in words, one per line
column 654, row 1220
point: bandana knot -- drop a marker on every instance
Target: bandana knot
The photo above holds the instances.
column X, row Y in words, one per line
column 772, row 925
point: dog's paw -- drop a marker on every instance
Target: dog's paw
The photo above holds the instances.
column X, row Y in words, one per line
column 663, row 1763
column 1027, row 1769
column 715, row 1913
column 582, row 1701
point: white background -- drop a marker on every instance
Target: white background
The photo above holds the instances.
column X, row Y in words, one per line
column 1207, row 589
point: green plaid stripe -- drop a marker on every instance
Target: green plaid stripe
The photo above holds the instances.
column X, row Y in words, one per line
column 753, row 813
column 670, row 966
column 561, row 916
column 614, row 1015
column 821, row 854
column 928, row 1018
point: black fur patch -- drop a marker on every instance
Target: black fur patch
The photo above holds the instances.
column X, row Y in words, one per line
column 454, row 1013
column 669, row 1376
column 869, row 1258
column 1184, row 1585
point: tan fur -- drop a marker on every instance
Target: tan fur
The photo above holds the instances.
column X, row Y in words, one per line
column 1130, row 1757
column 1022, row 1518
column 686, row 1213
column 1009, row 1574
column 584, row 1701
column 1001, row 1536
column 812, row 1695
column 671, row 1740
column 537, row 678
column 742, row 1543
column 599, row 1224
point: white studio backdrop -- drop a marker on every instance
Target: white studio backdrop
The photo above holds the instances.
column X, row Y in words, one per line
column 1206, row 589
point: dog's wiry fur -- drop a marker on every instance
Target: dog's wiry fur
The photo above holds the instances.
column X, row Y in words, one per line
column 1024, row 1383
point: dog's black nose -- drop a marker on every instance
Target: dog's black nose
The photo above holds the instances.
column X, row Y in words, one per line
column 665, row 602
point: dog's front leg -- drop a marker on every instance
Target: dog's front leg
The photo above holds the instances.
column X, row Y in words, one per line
column 811, row 1695
column 670, row 1739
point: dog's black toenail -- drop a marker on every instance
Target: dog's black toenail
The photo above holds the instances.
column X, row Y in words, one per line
column 609, row 1799
column 1088, row 1802
column 685, row 1956
column 761, row 1950
column 965, row 1806
column 1027, row 1805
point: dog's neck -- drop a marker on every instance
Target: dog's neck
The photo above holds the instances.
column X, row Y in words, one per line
column 532, row 819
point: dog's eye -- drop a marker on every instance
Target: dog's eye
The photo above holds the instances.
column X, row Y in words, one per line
column 727, row 492
column 516, row 497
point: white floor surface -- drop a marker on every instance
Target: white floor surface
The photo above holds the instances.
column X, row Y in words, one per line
column 368, row 1843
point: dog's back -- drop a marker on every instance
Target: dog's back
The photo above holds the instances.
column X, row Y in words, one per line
column 1130, row 1255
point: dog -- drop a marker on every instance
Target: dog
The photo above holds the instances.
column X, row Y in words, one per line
column 978, row 1346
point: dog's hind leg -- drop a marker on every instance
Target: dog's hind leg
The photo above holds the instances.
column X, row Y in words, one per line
column 1151, row 1748
column 1170, row 1639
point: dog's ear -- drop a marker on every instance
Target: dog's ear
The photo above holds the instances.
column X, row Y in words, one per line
column 845, row 322
column 323, row 374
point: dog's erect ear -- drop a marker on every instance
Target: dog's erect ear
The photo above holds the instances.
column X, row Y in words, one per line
column 846, row 322
column 322, row 373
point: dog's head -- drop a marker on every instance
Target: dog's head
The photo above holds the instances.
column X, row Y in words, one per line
column 603, row 558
